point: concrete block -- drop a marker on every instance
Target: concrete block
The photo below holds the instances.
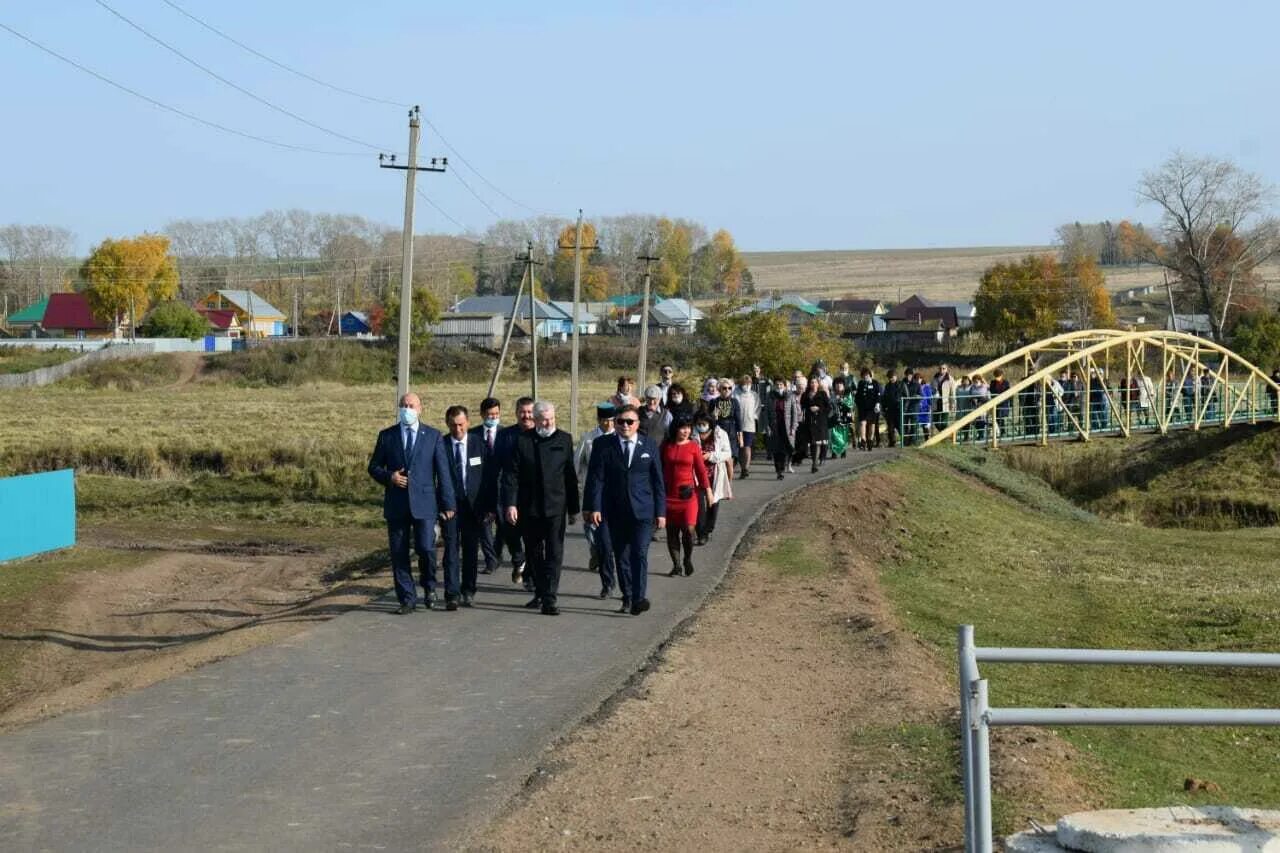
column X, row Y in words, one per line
column 1032, row 842
column 1202, row 829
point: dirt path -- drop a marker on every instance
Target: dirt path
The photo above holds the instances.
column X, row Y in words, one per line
column 793, row 714
column 98, row 633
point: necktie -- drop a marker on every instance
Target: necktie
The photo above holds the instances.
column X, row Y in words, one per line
column 462, row 471
column 626, row 450
column 488, row 437
column 408, row 445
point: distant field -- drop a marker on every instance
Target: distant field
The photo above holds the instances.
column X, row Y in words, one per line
column 946, row 274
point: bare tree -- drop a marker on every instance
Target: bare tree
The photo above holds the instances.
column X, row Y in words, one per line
column 1216, row 227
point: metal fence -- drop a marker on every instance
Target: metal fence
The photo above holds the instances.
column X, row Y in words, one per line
column 977, row 716
column 1044, row 412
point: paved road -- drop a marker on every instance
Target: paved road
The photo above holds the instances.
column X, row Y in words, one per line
column 370, row 731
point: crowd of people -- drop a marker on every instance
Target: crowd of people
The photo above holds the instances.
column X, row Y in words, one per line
column 666, row 459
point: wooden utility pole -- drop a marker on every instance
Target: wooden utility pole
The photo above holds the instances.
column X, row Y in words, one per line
column 506, row 340
column 529, row 264
column 406, row 259
column 641, row 371
column 577, row 297
column 1173, row 315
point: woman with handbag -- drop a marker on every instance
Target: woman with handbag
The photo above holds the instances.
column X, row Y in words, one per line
column 718, row 458
column 684, row 474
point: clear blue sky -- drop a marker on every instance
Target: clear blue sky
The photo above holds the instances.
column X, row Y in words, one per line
column 794, row 125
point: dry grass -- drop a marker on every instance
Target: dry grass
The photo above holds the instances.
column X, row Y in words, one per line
column 945, row 274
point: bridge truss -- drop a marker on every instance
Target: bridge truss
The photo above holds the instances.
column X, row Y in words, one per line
column 1182, row 382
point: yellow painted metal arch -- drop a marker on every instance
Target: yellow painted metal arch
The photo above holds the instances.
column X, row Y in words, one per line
column 1109, row 338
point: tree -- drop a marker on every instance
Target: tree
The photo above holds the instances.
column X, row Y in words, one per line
column 425, row 311
column 1085, row 301
column 125, row 276
column 595, row 277
column 1256, row 338
column 728, row 265
column 1216, row 229
column 1133, row 243
column 1021, row 300
column 764, row 338
column 174, row 320
column 674, row 247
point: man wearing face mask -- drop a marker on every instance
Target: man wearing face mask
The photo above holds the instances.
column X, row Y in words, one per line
column 504, row 446
column 539, row 488
column 487, row 430
column 410, row 462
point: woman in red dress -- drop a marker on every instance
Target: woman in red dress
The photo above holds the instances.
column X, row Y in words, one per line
column 683, row 473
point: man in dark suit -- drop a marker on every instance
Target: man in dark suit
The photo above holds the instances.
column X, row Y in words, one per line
column 487, row 429
column 409, row 461
column 462, row 532
column 539, row 488
column 504, row 447
column 626, row 493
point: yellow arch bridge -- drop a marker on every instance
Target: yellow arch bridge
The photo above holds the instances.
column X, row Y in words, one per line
column 1099, row 382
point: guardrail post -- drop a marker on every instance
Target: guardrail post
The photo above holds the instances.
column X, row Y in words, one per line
column 982, row 771
column 968, row 673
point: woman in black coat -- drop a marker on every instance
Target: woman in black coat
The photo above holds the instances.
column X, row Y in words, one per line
column 815, row 406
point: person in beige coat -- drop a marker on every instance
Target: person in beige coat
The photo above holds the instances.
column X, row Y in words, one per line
column 718, row 455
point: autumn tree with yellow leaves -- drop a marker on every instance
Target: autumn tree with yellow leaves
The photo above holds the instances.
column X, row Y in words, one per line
column 125, row 276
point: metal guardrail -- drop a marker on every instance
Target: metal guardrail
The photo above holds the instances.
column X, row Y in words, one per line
column 977, row 716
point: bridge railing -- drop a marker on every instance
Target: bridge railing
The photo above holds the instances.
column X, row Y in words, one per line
column 1044, row 412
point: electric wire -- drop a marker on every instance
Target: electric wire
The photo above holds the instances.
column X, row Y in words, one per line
column 474, row 170
column 241, row 89
column 304, row 75
column 171, row 109
column 440, row 210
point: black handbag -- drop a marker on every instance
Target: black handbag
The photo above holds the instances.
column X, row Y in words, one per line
column 685, row 492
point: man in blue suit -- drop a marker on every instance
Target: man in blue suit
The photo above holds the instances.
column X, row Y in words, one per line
column 625, row 492
column 409, row 461
column 462, row 533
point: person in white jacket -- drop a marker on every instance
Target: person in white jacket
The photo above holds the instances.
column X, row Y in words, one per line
column 749, row 409
column 718, row 455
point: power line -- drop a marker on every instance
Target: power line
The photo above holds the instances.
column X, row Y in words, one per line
column 440, row 210
column 486, row 204
column 475, row 171
column 215, row 75
column 176, row 111
column 304, row 75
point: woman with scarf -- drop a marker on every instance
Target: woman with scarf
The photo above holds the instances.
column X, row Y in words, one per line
column 816, row 407
column 685, row 477
column 783, row 413
column 679, row 406
column 725, row 413
column 717, row 457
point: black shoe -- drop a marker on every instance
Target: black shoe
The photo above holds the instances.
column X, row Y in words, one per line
column 604, row 592
column 688, row 568
column 782, row 476
column 533, row 603
column 701, row 540
column 675, row 571
column 626, row 606
column 745, row 473
column 550, row 610
column 429, row 602
column 813, row 469
column 517, row 572
column 640, row 607
column 451, row 605
column 405, row 608
column 467, row 600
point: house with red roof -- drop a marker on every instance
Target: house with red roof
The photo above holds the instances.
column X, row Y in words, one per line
column 63, row 315
column 223, row 322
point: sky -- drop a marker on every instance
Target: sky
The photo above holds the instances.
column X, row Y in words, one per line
column 800, row 125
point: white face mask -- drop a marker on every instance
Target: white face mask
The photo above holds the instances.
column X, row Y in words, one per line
column 546, row 432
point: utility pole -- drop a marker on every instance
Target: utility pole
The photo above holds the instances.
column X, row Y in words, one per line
column 406, row 260
column 577, row 297
column 295, row 311
column 529, row 264
column 506, row 340
column 641, row 374
column 1168, row 289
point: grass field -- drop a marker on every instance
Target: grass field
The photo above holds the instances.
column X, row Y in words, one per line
column 1026, row 567
column 23, row 359
column 943, row 274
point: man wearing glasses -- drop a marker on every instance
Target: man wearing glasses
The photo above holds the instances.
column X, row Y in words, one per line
column 668, row 373
column 625, row 493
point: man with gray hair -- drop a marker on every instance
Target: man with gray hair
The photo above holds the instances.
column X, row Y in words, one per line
column 654, row 418
column 539, row 488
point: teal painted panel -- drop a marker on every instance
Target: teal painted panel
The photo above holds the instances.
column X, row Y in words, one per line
column 37, row 513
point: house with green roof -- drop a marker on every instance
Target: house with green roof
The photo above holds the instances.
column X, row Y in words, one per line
column 25, row 322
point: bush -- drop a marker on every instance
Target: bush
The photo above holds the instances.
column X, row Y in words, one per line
column 1256, row 338
column 174, row 320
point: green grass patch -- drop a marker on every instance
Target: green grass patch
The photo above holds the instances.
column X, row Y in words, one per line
column 795, row 556
column 923, row 753
column 25, row 359
column 1214, row 479
column 1026, row 576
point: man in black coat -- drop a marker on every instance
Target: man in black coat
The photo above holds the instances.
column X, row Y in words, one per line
column 466, row 452
column 891, row 405
column 504, row 446
column 410, row 463
column 539, row 488
column 487, row 430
